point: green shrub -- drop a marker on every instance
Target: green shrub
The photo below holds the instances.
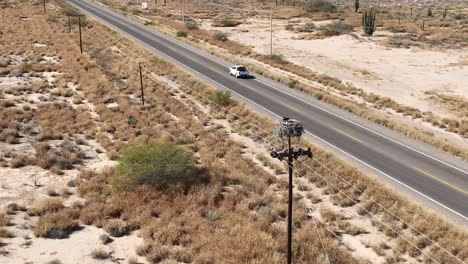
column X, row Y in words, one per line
column 132, row 121
column 182, row 34
column 292, row 83
column 160, row 164
column 219, row 35
column 220, row 97
column 320, row 6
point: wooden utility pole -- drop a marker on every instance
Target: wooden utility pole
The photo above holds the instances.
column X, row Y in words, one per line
column 141, row 85
column 271, row 31
column 81, row 41
column 183, row 11
column 44, row 2
column 290, row 128
column 69, row 24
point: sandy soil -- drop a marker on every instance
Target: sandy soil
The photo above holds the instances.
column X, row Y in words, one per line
column 402, row 74
column 29, row 186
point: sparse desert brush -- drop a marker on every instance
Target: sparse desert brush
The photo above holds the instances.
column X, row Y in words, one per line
column 226, row 22
column 5, row 220
column 221, row 98
column 219, row 35
column 160, row 164
column 5, row 233
column 46, row 206
column 9, row 136
column 117, row 228
column 320, row 6
column 182, row 34
column 191, row 25
column 56, row 225
column 105, row 239
column 100, row 254
column 336, row 28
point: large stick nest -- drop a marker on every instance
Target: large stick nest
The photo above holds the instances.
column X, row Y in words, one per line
column 289, row 128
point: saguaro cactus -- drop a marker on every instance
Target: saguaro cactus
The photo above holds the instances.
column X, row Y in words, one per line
column 368, row 22
column 429, row 11
column 356, row 5
column 444, row 15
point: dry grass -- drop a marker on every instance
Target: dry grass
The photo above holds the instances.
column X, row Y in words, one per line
column 50, row 205
column 225, row 218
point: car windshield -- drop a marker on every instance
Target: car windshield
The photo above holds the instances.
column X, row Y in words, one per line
column 241, row 69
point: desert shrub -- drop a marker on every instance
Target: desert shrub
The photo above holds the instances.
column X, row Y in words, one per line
column 226, row 23
column 159, row 164
column 337, row 28
column 47, row 206
column 100, row 254
column 9, row 136
column 459, row 16
column 71, row 183
column 191, row 25
column 131, row 120
column 220, row 97
column 117, row 228
column 182, row 34
column 219, row 35
column 55, row 225
column 5, row 233
column 320, row 6
column 105, row 239
column 21, row 161
column 308, row 27
column 25, row 67
column 292, row 83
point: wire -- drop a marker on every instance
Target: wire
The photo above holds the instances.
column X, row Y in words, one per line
column 316, row 229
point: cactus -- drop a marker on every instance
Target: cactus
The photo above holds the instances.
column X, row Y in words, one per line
column 423, row 25
column 356, row 5
column 368, row 22
column 429, row 12
column 444, row 15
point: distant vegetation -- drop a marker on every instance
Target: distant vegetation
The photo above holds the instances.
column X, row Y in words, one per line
column 225, row 23
column 219, row 35
column 320, row 6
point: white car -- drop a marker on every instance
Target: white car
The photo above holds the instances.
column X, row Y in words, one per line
column 239, row 71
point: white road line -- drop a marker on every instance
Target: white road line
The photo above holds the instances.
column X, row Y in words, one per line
column 357, row 159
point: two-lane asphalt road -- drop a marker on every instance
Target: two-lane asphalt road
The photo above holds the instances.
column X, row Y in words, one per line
column 430, row 175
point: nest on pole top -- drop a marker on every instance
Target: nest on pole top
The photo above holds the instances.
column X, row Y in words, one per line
column 289, row 128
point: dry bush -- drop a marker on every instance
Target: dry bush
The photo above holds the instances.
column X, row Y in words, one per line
column 50, row 205
column 117, row 228
column 56, row 225
column 100, row 254
column 5, row 220
column 5, row 233
column 226, row 22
